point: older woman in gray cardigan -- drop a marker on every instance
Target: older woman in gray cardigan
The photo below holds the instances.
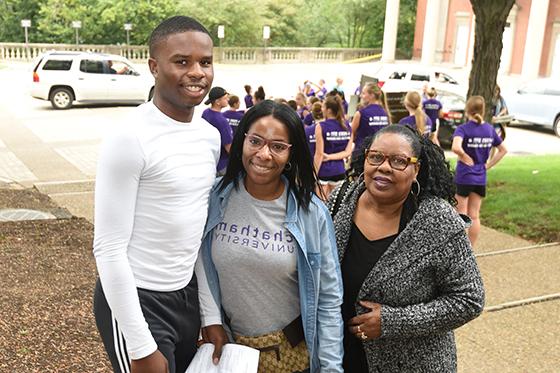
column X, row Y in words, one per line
column 409, row 273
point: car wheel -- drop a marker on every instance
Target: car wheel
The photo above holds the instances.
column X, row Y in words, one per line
column 62, row 98
column 556, row 126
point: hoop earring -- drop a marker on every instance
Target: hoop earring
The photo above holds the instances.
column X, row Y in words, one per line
column 288, row 166
column 361, row 178
column 415, row 194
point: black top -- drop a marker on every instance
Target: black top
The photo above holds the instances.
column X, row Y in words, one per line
column 360, row 257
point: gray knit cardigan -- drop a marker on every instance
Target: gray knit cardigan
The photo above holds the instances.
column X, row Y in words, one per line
column 427, row 282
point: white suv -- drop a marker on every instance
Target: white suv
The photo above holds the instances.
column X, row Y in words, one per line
column 411, row 77
column 65, row 77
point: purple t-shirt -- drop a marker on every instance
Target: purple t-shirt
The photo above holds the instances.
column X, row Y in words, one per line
column 309, row 120
column 410, row 122
column 218, row 120
column 301, row 110
column 248, row 101
column 335, row 140
column 478, row 140
column 432, row 108
column 310, row 138
column 233, row 117
column 321, row 93
column 372, row 118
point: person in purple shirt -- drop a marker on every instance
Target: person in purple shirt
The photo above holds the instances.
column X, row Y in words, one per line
column 248, row 96
column 310, row 138
column 321, row 91
column 417, row 120
column 332, row 146
column 432, row 108
column 373, row 115
column 302, row 108
column 218, row 99
column 472, row 142
column 315, row 115
column 233, row 115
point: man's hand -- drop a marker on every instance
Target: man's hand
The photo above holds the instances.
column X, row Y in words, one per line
column 216, row 335
column 153, row 363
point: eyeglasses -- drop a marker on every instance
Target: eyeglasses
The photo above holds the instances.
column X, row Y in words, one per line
column 255, row 143
column 397, row 162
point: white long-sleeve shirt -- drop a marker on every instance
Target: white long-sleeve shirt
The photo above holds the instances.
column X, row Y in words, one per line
column 151, row 198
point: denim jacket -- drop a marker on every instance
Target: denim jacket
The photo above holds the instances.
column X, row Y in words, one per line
column 319, row 277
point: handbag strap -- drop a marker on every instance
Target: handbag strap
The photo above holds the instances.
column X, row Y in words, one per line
column 339, row 196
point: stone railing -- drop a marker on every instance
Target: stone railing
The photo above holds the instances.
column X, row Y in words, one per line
column 233, row 55
column 26, row 52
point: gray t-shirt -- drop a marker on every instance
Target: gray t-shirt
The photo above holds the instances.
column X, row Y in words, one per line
column 255, row 257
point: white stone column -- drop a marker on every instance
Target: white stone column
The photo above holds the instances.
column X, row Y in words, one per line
column 534, row 39
column 390, row 30
column 429, row 41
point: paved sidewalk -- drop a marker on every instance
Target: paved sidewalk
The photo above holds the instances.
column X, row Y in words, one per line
column 519, row 339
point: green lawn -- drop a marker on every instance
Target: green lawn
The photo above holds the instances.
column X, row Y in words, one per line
column 523, row 197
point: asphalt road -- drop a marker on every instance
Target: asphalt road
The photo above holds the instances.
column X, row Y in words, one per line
column 57, row 152
column 38, row 143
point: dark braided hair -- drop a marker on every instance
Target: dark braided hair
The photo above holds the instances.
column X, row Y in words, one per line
column 434, row 176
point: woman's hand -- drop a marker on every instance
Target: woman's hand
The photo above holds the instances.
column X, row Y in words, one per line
column 466, row 159
column 367, row 326
column 216, row 335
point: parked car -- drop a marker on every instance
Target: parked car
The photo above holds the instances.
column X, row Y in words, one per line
column 67, row 77
column 453, row 111
column 537, row 102
column 393, row 78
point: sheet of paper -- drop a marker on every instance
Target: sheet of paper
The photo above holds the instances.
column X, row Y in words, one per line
column 235, row 359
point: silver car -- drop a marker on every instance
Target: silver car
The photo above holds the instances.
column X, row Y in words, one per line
column 538, row 103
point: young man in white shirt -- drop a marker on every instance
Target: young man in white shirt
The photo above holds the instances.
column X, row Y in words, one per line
column 154, row 176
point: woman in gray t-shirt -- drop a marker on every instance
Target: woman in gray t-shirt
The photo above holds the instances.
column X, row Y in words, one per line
column 269, row 250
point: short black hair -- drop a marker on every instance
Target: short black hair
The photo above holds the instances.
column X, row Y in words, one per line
column 301, row 175
column 174, row 25
column 434, row 176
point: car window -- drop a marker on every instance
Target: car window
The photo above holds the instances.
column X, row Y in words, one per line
column 420, row 77
column 91, row 66
column 444, row 78
column 61, row 65
column 397, row 75
column 119, row 67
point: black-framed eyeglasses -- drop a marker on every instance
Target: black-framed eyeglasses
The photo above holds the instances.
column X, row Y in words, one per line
column 396, row 161
column 255, row 142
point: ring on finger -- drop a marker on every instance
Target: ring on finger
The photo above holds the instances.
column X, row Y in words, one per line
column 363, row 336
column 359, row 329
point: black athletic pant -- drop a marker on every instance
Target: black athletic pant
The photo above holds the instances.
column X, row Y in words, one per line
column 173, row 318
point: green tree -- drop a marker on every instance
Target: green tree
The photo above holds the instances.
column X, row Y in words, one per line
column 55, row 17
column 407, row 25
column 11, row 14
column 490, row 23
column 144, row 15
column 242, row 20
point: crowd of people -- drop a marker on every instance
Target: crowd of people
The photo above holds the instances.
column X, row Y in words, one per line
column 329, row 242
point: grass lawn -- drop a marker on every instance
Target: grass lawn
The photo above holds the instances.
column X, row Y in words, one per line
column 523, row 197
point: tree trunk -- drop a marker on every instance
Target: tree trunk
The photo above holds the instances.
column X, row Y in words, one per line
column 491, row 17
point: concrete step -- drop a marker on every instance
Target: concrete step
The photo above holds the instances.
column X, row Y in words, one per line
column 522, row 274
column 78, row 203
column 516, row 340
column 61, row 187
column 492, row 240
